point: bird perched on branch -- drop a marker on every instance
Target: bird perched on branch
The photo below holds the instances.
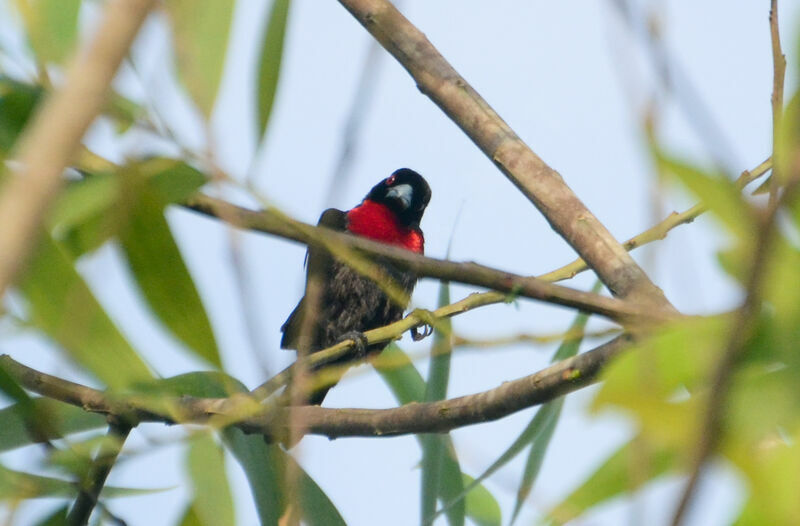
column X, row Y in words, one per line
column 347, row 302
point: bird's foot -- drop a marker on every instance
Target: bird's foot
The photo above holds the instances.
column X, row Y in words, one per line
column 361, row 342
column 428, row 320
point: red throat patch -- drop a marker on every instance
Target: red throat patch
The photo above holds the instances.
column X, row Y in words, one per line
column 375, row 221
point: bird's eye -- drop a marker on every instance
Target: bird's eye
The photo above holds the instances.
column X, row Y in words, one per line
column 390, row 180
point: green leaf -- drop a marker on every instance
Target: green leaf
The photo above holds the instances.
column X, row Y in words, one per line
column 676, row 358
column 17, row 101
column 717, row 192
column 201, row 29
column 626, row 470
column 82, row 200
column 162, row 276
column 190, row 517
column 396, row 369
column 213, row 501
column 317, row 508
column 264, row 465
column 549, row 413
column 52, row 27
column 18, row 485
column 407, row 385
column 62, row 419
column 269, row 64
column 434, row 483
column 62, row 306
column 57, row 518
column 482, row 507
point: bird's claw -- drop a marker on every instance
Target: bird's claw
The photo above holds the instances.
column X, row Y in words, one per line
column 416, row 335
column 361, row 342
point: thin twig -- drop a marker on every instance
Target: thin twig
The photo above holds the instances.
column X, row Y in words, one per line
column 118, row 431
column 778, row 76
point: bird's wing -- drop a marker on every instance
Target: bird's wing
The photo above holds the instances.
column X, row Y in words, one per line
column 318, row 264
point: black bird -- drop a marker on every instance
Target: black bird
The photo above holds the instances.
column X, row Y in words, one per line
column 350, row 303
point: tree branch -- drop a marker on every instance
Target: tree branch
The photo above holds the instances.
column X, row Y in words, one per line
column 542, row 185
column 273, row 222
column 56, row 131
column 435, row 417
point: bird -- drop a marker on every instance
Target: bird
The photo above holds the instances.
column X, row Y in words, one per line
column 348, row 302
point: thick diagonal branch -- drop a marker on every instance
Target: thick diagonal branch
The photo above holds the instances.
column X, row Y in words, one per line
column 541, row 184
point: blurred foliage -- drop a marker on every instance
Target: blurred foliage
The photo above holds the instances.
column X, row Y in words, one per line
column 661, row 385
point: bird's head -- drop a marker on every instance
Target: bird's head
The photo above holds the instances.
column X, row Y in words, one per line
column 406, row 193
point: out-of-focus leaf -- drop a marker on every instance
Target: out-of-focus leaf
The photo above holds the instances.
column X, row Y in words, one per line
column 717, row 192
column 190, row 517
column 646, row 380
column 201, row 29
column 64, row 308
column 213, row 501
column 482, row 507
column 57, row 518
column 83, row 199
column 624, row 471
column 160, row 272
column 123, row 111
column 435, row 482
column 317, row 508
column 269, row 65
column 17, row 485
column 407, row 385
column 52, row 27
column 787, row 148
column 396, row 369
column 263, row 464
column 773, row 470
column 93, row 210
column 17, row 101
column 63, row 419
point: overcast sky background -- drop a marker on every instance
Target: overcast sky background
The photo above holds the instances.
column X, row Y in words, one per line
column 572, row 79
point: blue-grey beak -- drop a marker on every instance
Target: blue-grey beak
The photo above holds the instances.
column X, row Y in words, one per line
column 402, row 192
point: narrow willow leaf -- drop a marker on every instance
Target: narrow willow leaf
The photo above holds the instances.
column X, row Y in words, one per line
column 162, row 276
column 63, row 419
column 624, row 471
column 264, row 465
column 57, row 518
column 436, row 482
column 201, row 29
column 541, row 427
column 213, row 501
column 317, row 508
column 52, row 27
column 482, row 507
column 269, row 65
column 190, row 517
column 63, row 307
column 83, row 199
column 18, row 485
column 551, row 412
column 17, row 101
column 407, row 385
